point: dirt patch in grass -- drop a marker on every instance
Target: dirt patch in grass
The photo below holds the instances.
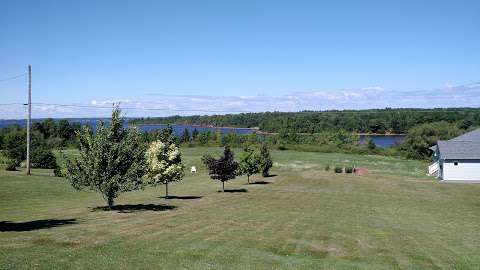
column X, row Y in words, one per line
column 361, row 171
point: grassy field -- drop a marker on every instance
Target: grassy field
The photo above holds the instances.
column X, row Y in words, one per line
column 394, row 217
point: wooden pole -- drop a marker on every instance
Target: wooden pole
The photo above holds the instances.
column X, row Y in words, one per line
column 29, row 116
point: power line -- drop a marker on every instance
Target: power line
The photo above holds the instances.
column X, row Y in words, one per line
column 369, row 111
column 135, row 108
column 123, row 108
column 14, row 77
column 10, row 104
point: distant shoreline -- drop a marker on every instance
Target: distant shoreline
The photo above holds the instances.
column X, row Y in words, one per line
column 258, row 131
column 203, row 126
column 380, row 134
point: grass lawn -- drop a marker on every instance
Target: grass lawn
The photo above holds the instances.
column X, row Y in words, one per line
column 394, row 217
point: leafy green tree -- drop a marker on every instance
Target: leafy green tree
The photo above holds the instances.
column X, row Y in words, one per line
column 249, row 162
column 465, row 124
column 224, row 168
column 164, row 164
column 265, row 160
column 15, row 145
column 167, row 136
column 111, row 160
column 420, row 138
column 204, row 137
column 65, row 130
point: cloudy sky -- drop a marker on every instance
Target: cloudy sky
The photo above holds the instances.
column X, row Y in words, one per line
column 203, row 57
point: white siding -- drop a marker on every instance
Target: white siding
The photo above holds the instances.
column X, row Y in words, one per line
column 465, row 170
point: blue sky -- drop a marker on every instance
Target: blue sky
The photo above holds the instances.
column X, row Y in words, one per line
column 239, row 55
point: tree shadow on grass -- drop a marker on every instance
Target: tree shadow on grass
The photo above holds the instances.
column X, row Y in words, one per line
column 270, row 175
column 130, row 208
column 8, row 226
column 238, row 190
column 260, row 183
column 181, row 197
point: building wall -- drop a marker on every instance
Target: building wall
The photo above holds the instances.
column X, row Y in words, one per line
column 465, row 170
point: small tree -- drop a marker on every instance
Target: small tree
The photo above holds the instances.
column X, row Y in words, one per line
column 224, row 168
column 15, row 145
column 206, row 159
column 111, row 160
column 371, row 144
column 166, row 135
column 164, row 164
column 194, row 134
column 265, row 160
column 185, row 136
column 249, row 162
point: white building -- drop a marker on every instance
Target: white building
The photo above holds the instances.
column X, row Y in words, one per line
column 457, row 159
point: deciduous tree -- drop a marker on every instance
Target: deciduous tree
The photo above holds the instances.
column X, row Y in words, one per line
column 111, row 160
column 265, row 160
column 249, row 162
column 224, row 168
column 164, row 164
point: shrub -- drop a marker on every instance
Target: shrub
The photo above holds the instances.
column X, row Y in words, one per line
column 11, row 165
column 327, row 168
column 58, row 172
column 348, row 169
column 43, row 158
column 338, row 169
column 282, row 147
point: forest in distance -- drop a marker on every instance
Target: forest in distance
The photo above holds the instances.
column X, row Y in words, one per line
column 374, row 121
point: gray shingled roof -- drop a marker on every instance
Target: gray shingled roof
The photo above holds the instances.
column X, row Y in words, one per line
column 469, row 136
column 459, row 149
column 466, row 146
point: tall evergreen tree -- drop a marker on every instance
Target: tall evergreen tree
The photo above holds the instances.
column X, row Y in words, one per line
column 167, row 136
column 185, row 136
column 195, row 134
column 111, row 160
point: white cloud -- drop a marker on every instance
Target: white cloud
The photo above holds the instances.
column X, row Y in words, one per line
column 467, row 95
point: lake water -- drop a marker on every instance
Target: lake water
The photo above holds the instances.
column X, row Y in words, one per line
column 384, row 141
column 177, row 129
column 379, row 140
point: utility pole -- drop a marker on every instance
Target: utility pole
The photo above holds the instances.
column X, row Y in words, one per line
column 29, row 116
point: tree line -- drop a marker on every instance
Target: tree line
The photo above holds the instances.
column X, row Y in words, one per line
column 45, row 136
column 50, row 134
column 376, row 121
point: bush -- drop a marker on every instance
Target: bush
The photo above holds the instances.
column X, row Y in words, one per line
column 348, row 169
column 327, row 168
column 58, row 171
column 43, row 158
column 338, row 169
column 282, row 147
column 11, row 165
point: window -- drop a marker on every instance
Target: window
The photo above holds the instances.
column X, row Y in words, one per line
column 455, row 163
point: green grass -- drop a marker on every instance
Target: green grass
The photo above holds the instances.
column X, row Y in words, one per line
column 304, row 218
